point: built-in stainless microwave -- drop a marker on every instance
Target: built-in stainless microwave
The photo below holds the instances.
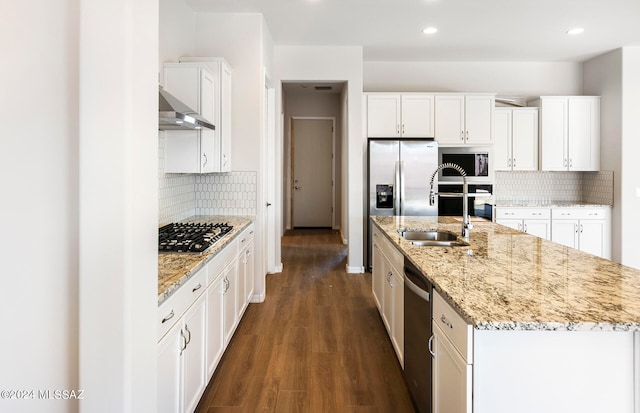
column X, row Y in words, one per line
column 476, row 163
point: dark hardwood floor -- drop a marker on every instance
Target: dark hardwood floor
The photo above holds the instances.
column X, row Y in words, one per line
column 317, row 343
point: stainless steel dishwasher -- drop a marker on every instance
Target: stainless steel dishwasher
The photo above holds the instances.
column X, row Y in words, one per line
column 417, row 331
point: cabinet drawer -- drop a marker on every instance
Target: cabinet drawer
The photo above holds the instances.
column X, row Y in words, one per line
column 245, row 237
column 222, row 259
column 579, row 213
column 454, row 327
column 172, row 309
column 523, row 213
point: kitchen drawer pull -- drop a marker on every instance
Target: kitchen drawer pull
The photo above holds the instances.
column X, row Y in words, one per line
column 430, row 346
column 446, row 322
column 169, row 317
column 196, row 288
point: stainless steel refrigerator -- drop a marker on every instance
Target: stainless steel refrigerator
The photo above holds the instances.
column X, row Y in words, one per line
column 399, row 173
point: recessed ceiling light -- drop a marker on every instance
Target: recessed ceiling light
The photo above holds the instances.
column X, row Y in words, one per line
column 430, row 30
column 575, row 30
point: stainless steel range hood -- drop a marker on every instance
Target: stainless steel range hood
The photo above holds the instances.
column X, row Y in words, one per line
column 175, row 115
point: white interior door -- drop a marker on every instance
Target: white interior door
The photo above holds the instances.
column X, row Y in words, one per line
column 312, row 172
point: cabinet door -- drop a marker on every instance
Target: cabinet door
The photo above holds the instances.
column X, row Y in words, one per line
column 182, row 151
column 383, row 116
column 249, row 271
column 194, row 363
column 538, row 227
column 215, row 324
column 478, row 119
column 584, row 134
column 591, row 237
column 511, row 223
column 387, row 298
column 230, row 314
column 564, row 232
column 451, row 377
column 417, row 116
column 209, row 152
column 169, row 370
column 554, row 114
column 449, row 118
column 225, row 118
column 377, row 273
column 502, row 129
column 397, row 336
column 524, row 140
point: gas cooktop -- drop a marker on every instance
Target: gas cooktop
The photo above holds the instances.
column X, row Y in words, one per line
column 191, row 237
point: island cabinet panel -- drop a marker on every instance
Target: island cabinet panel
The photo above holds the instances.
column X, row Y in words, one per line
column 554, row 371
column 452, row 351
column 388, row 289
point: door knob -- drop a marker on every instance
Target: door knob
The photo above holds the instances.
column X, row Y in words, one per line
column 297, row 187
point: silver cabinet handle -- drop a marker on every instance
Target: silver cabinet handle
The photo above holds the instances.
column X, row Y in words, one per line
column 205, row 159
column 184, row 342
column 403, row 128
column 169, row 317
column 581, row 228
column 462, row 135
column 186, row 327
column 514, row 162
column 445, row 321
column 196, row 288
column 467, row 135
column 398, row 129
column 430, row 346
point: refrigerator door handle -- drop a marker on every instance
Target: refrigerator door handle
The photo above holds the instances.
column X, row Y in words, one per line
column 397, row 192
column 402, row 195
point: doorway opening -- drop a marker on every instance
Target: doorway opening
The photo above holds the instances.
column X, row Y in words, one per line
column 314, row 126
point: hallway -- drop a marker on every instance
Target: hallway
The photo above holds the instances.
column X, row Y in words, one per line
column 316, row 345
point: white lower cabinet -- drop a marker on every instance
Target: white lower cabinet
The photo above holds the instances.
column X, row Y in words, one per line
column 585, row 229
column 197, row 322
column 452, row 348
column 388, row 289
column 534, row 221
column 215, row 325
column 181, row 362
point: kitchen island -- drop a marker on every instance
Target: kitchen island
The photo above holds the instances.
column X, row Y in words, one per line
column 553, row 329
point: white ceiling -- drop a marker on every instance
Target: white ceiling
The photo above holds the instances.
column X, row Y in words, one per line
column 469, row 30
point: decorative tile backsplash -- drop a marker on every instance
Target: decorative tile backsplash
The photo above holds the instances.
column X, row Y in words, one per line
column 185, row 195
column 541, row 187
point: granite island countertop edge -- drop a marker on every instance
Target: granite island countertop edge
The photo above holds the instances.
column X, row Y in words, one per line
column 480, row 302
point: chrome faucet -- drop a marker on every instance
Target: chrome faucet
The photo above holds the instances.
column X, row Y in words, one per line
column 466, row 219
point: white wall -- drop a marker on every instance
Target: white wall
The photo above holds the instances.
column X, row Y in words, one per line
column 614, row 76
column 603, row 77
column 506, row 78
column 630, row 180
column 325, row 63
column 78, row 164
column 177, row 31
column 244, row 41
column 299, row 104
column 39, row 179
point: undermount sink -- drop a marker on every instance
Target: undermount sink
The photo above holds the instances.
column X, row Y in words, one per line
column 433, row 238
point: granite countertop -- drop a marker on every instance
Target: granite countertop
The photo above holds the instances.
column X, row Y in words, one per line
column 174, row 269
column 510, row 280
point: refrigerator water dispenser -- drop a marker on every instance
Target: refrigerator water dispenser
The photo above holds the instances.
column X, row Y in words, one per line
column 384, row 196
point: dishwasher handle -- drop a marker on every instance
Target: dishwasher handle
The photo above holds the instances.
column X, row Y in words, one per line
column 415, row 289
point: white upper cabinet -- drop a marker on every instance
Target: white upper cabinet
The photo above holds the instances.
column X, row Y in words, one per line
column 204, row 84
column 569, row 133
column 191, row 151
column 464, row 120
column 393, row 115
column 515, row 139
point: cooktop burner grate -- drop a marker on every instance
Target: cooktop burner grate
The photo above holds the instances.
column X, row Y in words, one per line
column 191, row 237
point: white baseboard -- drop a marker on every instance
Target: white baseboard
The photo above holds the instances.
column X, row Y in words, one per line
column 354, row 270
column 259, row 298
column 277, row 270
